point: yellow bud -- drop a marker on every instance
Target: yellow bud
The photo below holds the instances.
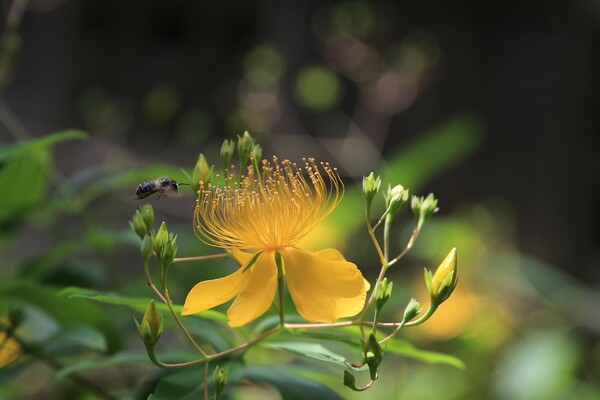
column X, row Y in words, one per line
column 445, row 277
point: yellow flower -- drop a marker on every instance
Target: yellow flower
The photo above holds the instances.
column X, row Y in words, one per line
column 266, row 213
column 9, row 349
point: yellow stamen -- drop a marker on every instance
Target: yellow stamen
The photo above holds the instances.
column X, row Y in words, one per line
column 268, row 210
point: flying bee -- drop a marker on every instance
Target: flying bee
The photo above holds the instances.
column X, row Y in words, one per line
column 160, row 186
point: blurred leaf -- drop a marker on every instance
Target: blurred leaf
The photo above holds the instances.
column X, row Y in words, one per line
column 112, row 361
column 547, row 361
column 406, row 349
column 290, row 385
column 68, row 312
column 77, row 336
column 24, row 147
column 434, row 152
column 36, row 267
column 313, row 350
column 135, row 303
column 25, row 169
column 186, row 384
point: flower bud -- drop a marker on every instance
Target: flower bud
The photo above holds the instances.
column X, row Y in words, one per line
column 256, row 153
column 415, row 205
column 148, row 216
column 221, row 375
column 245, row 146
column 147, row 247
column 373, row 355
column 384, row 292
column 412, row 310
column 151, row 326
column 445, row 278
column 423, row 208
column 350, row 380
column 202, row 172
column 396, row 198
column 227, row 150
column 429, row 205
column 370, row 188
column 138, row 225
column 161, row 237
column 168, row 251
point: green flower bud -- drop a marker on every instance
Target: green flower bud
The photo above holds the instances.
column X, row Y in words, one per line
column 384, row 292
column 245, row 146
column 445, row 278
column 396, row 198
column 202, row 172
column 423, row 208
column 370, row 188
column 221, row 375
column 415, row 205
column 152, row 326
column 373, row 355
column 138, row 225
column 161, row 238
column 168, row 252
column 148, row 216
column 350, row 380
column 256, row 152
column 227, row 150
column 429, row 206
column 412, row 310
column 147, row 247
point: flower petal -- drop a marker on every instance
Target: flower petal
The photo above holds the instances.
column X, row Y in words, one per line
column 258, row 292
column 241, row 257
column 323, row 288
column 335, row 255
column 329, row 254
column 211, row 293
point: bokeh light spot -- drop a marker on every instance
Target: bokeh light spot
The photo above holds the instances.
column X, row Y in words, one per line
column 264, row 66
column 318, row 88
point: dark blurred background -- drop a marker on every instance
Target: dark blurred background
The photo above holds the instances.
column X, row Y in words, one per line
column 165, row 80
column 490, row 105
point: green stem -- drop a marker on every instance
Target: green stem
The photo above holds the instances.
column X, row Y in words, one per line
column 214, row 356
column 430, row 311
column 409, row 245
column 386, row 238
column 206, row 381
column 181, row 326
column 373, row 237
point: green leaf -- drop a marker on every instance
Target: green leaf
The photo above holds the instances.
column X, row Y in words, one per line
column 406, row 349
column 77, row 336
column 290, row 384
column 435, row 152
column 135, row 303
column 315, row 351
column 25, row 168
column 112, row 361
column 68, row 312
column 23, row 147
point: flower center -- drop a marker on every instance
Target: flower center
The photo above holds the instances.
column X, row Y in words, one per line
column 269, row 209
